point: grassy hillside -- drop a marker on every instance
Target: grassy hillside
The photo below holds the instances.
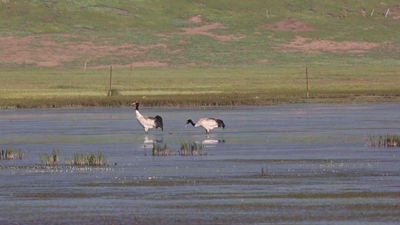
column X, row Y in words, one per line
column 57, row 53
column 172, row 33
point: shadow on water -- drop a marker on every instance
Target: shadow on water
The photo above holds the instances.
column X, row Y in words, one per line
column 296, row 164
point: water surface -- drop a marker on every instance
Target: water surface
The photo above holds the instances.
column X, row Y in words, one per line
column 299, row 164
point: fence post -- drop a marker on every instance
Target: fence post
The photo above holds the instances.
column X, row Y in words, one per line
column 131, row 63
column 109, row 91
column 307, row 83
column 84, row 66
column 387, row 12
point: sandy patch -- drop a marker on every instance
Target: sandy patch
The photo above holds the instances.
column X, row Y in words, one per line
column 262, row 60
column 196, row 19
column 207, row 31
column 395, row 13
column 307, row 45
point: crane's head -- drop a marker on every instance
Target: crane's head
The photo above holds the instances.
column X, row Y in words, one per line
column 188, row 121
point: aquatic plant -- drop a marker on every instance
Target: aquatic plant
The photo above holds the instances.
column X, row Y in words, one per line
column 88, row 159
column 388, row 140
column 192, row 149
column 51, row 159
column 264, row 172
column 159, row 150
column 9, row 154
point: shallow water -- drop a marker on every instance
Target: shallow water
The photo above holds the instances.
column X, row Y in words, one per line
column 296, row 164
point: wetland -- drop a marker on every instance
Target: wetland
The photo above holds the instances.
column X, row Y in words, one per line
column 279, row 164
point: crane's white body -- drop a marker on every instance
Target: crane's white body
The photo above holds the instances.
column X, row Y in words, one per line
column 147, row 122
column 207, row 123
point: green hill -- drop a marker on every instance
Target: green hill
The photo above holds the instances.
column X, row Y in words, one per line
column 179, row 34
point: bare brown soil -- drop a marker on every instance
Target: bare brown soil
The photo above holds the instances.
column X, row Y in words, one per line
column 196, row 19
column 43, row 50
column 307, row 45
column 207, row 31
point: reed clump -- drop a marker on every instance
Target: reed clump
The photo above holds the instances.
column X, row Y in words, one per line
column 162, row 150
column 50, row 159
column 88, row 159
column 192, row 149
column 10, row 154
column 388, row 140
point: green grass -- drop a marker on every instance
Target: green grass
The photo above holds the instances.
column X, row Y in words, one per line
column 50, row 159
column 388, row 140
column 199, row 69
column 9, row 154
column 162, row 150
column 88, row 159
column 197, row 86
column 192, row 149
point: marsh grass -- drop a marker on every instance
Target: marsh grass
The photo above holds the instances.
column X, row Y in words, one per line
column 388, row 140
column 264, row 171
column 192, row 149
column 81, row 159
column 186, row 149
column 10, row 154
column 50, row 159
column 162, row 150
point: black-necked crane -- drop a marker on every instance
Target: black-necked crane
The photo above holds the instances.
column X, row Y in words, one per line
column 148, row 122
column 207, row 123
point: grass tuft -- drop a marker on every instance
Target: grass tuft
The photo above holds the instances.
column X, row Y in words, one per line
column 388, row 140
column 88, row 159
column 192, row 149
column 51, row 159
column 162, row 150
column 9, row 154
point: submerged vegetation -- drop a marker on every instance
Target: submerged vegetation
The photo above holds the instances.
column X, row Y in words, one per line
column 388, row 140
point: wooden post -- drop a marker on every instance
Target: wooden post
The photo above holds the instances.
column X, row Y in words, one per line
column 131, row 63
column 86, row 61
column 109, row 91
column 307, row 83
column 387, row 12
column 266, row 13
